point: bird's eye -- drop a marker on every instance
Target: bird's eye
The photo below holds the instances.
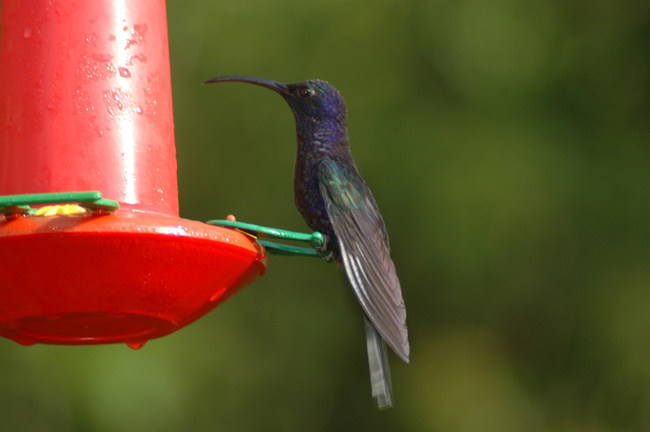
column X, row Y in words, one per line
column 307, row 92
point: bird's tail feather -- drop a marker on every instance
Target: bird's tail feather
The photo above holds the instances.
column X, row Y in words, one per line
column 380, row 382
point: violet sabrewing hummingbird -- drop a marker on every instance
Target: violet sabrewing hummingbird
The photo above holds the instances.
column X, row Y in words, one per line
column 333, row 199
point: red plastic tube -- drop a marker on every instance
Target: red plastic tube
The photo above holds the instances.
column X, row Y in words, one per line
column 86, row 101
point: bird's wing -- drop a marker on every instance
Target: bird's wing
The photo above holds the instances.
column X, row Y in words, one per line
column 365, row 253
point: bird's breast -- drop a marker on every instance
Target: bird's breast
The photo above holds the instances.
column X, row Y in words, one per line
column 309, row 201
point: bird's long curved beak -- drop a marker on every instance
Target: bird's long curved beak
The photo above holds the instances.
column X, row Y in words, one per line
column 270, row 84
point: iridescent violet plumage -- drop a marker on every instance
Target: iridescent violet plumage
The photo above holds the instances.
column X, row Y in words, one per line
column 333, row 199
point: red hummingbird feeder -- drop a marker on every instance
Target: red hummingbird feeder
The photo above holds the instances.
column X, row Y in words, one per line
column 85, row 105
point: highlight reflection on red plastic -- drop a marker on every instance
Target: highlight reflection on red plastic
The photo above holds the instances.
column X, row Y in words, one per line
column 85, row 104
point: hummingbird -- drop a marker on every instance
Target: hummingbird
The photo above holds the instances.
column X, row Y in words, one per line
column 333, row 199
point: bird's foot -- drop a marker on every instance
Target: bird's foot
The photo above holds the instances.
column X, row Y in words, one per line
column 323, row 251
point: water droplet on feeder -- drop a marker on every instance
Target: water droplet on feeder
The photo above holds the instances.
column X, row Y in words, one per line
column 124, row 72
column 27, row 33
column 23, row 340
column 135, row 344
column 140, row 29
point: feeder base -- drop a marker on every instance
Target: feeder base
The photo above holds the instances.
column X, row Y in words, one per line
column 121, row 277
column 86, row 328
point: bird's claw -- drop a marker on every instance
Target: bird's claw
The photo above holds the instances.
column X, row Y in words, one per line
column 323, row 250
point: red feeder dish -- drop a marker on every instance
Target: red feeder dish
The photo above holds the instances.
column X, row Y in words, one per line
column 86, row 105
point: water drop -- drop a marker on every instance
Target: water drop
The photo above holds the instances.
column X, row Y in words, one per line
column 135, row 344
column 23, row 340
column 138, row 110
column 27, row 33
column 140, row 29
column 124, row 72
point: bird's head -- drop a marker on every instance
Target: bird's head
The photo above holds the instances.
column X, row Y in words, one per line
column 314, row 99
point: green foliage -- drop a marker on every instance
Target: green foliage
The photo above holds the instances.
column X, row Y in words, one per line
column 507, row 144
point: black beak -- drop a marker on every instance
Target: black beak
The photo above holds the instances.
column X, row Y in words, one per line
column 270, row 84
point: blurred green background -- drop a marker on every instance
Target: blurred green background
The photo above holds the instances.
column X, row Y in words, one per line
column 507, row 144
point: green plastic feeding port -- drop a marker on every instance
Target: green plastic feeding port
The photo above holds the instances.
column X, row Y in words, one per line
column 21, row 204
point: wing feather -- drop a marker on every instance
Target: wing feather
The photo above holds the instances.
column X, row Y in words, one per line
column 365, row 252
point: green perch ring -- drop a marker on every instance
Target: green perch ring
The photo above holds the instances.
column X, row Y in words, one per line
column 316, row 239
